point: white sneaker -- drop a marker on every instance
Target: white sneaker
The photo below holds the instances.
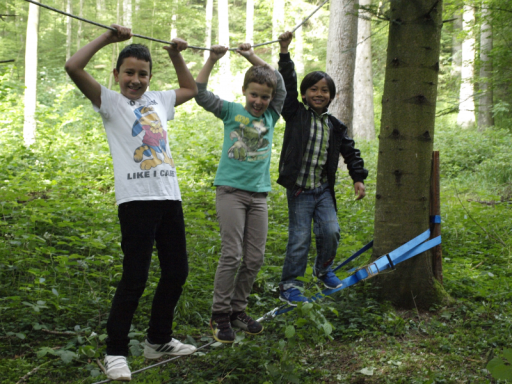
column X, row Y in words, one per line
column 117, row 368
column 173, row 348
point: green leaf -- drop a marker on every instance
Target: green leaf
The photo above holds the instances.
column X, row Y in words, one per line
column 289, row 332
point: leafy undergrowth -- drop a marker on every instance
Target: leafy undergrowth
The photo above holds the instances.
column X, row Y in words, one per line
column 60, row 261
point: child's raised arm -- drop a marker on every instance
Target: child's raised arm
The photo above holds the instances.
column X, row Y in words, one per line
column 205, row 98
column 188, row 88
column 75, row 66
column 216, row 53
column 246, row 51
column 284, row 41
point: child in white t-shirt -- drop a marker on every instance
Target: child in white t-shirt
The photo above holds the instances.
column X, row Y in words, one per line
column 147, row 190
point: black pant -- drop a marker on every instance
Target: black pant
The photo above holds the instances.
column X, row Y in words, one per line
column 143, row 223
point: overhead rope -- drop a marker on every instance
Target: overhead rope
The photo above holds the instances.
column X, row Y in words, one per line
column 163, row 41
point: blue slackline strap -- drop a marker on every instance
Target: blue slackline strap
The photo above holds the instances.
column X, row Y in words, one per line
column 361, row 251
column 408, row 250
column 436, row 219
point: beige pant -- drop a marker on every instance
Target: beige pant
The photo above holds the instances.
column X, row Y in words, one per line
column 243, row 220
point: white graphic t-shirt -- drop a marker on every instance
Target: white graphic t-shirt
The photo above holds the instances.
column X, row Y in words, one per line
column 139, row 145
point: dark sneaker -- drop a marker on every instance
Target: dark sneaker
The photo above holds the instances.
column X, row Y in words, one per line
column 292, row 296
column 243, row 321
column 117, row 368
column 221, row 328
column 330, row 280
column 173, row 348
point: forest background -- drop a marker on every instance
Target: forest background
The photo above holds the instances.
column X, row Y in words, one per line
column 60, row 257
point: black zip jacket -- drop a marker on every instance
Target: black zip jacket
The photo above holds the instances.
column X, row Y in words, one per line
column 296, row 136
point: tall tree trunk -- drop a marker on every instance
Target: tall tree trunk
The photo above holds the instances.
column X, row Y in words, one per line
column 127, row 16
column 68, row 30
column 299, row 47
column 457, row 44
column 208, row 28
column 29, row 122
column 485, row 104
column 225, row 68
column 80, row 31
column 249, row 22
column 466, row 116
column 174, row 27
column 363, row 123
column 277, row 26
column 341, row 57
column 405, row 149
column 114, row 50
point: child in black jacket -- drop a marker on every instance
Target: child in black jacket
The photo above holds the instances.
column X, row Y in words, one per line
column 313, row 142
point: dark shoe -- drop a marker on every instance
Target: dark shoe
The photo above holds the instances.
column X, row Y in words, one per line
column 243, row 321
column 221, row 328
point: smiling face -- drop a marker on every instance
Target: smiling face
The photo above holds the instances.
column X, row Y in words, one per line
column 318, row 96
column 133, row 77
column 257, row 98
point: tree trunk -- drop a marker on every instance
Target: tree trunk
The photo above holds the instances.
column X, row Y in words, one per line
column 29, row 122
column 405, row 150
column 457, row 45
column 299, row 47
column 80, row 32
column 127, row 16
column 68, row 30
column 485, row 104
column 208, row 28
column 249, row 22
column 363, row 123
column 225, row 68
column 341, row 58
column 277, row 26
column 113, row 58
column 466, row 116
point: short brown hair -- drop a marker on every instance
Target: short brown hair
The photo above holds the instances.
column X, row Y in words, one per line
column 261, row 74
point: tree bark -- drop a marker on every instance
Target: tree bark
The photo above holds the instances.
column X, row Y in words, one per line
column 277, row 26
column 249, row 22
column 341, row 58
column 208, row 28
column 466, row 116
column 363, row 123
column 30, row 97
column 485, row 102
column 405, row 150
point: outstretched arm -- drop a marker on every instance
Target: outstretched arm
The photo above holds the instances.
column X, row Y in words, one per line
column 205, row 98
column 216, row 53
column 75, row 66
column 188, row 87
column 246, row 51
column 287, row 70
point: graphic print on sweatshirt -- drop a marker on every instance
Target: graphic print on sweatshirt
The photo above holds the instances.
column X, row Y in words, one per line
column 250, row 144
column 153, row 150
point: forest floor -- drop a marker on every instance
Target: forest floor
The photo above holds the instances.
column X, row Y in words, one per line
column 60, row 264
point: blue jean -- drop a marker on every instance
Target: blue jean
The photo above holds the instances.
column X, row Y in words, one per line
column 311, row 205
column 144, row 223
